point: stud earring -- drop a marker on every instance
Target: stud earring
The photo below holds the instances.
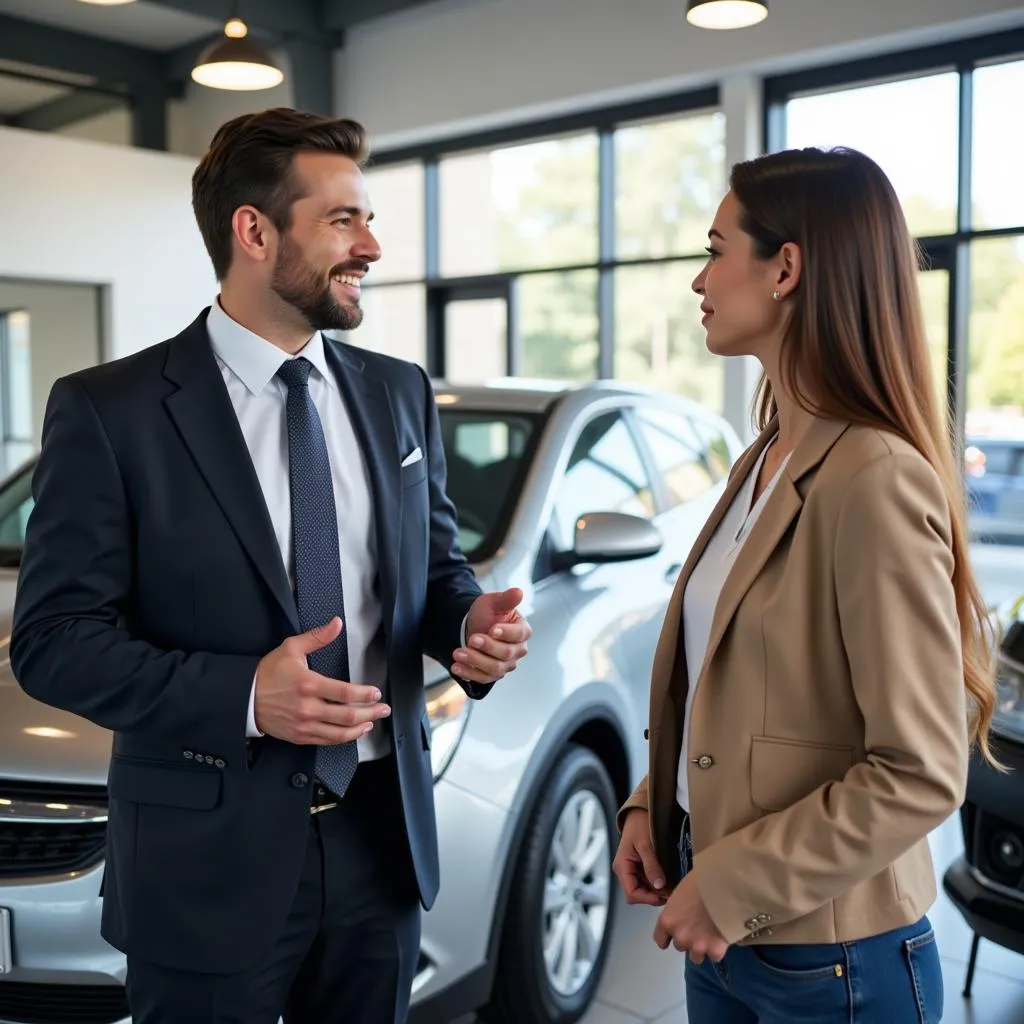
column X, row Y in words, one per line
column 776, row 295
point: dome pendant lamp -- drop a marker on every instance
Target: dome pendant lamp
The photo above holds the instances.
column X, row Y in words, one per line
column 236, row 62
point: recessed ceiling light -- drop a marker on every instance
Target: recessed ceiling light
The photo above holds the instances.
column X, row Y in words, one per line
column 726, row 14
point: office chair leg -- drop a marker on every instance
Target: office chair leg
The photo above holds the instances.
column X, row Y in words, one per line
column 971, row 965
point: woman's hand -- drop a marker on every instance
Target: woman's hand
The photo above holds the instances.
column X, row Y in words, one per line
column 686, row 923
column 635, row 864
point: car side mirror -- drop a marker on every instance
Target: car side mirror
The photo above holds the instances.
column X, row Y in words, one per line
column 603, row 537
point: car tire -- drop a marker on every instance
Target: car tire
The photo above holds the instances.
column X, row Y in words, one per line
column 526, row 988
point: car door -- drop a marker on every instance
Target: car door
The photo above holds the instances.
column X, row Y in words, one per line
column 614, row 611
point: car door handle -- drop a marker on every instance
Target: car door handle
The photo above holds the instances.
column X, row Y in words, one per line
column 672, row 572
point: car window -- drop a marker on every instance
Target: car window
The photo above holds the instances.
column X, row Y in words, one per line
column 717, row 456
column 15, row 505
column 678, row 453
column 486, row 454
column 994, row 459
column 605, row 474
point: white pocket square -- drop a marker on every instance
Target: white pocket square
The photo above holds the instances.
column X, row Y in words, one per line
column 414, row 456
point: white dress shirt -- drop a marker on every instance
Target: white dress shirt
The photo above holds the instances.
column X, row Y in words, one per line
column 703, row 590
column 249, row 364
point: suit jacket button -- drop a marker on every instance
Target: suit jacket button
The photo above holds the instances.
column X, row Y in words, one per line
column 704, row 761
column 219, row 762
column 187, row 754
column 300, row 780
column 647, row 734
column 209, row 759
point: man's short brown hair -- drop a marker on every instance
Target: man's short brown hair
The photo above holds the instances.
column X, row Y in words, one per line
column 249, row 162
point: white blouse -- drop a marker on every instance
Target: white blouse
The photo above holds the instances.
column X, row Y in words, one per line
column 704, row 587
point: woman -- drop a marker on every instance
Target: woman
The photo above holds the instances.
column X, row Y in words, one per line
column 824, row 664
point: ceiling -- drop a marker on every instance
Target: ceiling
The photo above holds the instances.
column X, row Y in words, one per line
column 152, row 26
column 142, row 52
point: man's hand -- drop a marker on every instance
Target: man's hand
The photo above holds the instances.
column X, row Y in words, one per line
column 635, row 863
column 686, row 924
column 298, row 705
column 496, row 636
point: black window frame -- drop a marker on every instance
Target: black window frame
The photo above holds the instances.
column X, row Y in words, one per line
column 949, row 252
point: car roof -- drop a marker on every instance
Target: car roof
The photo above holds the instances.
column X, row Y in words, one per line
column 533, row 395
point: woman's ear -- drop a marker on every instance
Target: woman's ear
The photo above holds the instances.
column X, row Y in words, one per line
column 789, row 265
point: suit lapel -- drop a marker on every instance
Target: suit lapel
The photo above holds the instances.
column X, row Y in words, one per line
column 206, row 420
column 369, row 407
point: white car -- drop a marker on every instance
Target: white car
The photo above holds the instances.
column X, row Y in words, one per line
column 589, row 498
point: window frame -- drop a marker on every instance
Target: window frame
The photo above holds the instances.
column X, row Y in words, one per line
column 952, row 251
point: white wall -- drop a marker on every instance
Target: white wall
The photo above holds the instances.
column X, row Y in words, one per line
column 91, row 213
column 457, row 65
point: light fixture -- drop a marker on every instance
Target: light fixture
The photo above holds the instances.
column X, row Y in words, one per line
column 236, row 62
column 726, row 14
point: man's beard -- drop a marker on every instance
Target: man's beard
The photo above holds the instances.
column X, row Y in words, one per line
column 300, row 285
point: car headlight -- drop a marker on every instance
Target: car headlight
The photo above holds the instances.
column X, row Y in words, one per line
column 448, row 711
column 1008, row 720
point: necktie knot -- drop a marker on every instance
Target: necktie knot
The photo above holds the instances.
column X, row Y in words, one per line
column 295, row 372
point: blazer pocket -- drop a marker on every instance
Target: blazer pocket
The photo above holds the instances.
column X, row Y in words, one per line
column 414, row 473
column 168, row 785
column 783, row 772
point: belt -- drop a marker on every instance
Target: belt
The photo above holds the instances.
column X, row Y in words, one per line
column 322, row 799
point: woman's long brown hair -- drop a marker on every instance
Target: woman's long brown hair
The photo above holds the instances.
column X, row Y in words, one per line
column 856, row 340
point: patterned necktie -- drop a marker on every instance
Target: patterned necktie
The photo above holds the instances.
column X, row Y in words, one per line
column 318, row 590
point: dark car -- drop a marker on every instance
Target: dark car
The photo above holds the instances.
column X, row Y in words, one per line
column 987, row 883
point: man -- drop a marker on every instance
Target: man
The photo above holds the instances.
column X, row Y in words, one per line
column 240, row 550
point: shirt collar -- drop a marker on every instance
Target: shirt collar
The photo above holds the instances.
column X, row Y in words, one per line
column 253, row 359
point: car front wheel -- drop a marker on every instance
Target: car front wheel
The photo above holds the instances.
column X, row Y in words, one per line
column 561, row 907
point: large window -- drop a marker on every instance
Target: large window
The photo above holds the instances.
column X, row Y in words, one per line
column 941, row 135
column 568, row 255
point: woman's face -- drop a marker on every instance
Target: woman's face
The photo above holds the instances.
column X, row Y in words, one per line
column 740, row 314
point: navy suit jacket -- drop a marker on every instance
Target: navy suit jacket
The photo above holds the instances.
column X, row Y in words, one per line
column 152, row 584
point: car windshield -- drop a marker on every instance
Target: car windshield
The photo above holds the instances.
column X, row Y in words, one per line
column 487, row 455
column 15, row 505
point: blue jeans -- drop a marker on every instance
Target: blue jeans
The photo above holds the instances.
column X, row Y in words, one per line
column 894, row 978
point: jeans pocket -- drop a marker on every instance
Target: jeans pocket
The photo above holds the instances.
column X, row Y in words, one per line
column 925, row 968
column 802, row 963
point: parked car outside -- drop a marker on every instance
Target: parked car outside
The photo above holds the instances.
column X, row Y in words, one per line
column 994, row 473
column 589, row 498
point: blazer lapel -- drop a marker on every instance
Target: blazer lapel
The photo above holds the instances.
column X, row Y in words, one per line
column 669, row 673
column 368, row 402
column 206, row 420
column 781, row 508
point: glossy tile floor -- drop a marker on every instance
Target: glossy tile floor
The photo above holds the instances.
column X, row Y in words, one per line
column 643, row 984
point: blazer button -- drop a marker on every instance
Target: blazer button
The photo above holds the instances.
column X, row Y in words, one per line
column 300, row 780
column 219, row 762
column 704, row 761
column 187, row 754
column 647, row 734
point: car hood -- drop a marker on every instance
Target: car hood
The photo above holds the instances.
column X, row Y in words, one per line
column 36, row 741
column 48, row 745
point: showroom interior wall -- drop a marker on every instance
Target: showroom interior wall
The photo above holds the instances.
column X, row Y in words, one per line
column 64, row 332
column 121, row 218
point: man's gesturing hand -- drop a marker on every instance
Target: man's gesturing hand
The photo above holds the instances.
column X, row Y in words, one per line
column 298, row 705
column 496, row 637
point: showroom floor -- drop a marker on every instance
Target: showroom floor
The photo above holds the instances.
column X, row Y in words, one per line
column 643, row 984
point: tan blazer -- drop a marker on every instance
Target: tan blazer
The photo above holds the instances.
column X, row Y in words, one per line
column 829, row 730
